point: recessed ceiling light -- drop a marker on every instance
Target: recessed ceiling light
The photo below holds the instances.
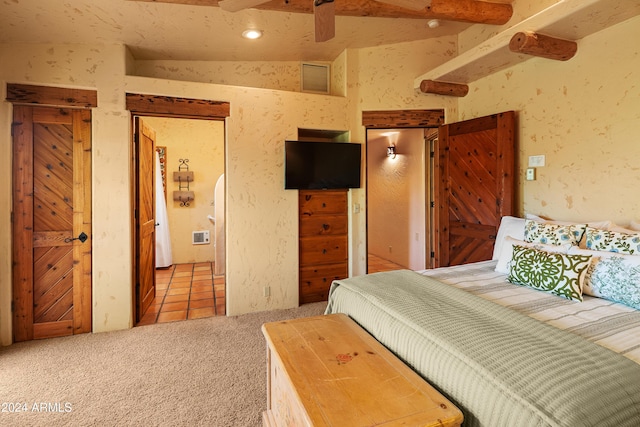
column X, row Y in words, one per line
column 252, row 34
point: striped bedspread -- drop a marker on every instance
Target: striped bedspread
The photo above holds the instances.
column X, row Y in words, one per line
column 611, row 325
column 499, row 366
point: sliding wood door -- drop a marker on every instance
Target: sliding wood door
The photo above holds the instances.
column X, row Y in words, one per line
column 474, row 186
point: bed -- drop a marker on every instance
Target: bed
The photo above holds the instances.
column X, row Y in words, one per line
column 515, row 354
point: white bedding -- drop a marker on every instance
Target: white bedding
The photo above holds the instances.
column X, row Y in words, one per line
column 611, row 325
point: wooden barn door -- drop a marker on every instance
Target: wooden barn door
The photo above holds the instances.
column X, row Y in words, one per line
column 145, row 146
column 51, row 222
column 474, row 186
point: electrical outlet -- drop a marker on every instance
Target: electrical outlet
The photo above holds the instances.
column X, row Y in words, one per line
column 267, row 291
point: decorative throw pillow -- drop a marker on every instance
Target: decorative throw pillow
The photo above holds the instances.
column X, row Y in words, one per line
column 506, row 255
column 552, row 234
column 556, row 273
column 613, row 241
column 613, row 277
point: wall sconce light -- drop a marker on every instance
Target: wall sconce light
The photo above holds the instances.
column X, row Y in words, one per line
column 252, row 34
column 391, row 151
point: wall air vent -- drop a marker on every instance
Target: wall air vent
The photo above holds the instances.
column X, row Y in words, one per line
column 200, row 237
column 316, row 78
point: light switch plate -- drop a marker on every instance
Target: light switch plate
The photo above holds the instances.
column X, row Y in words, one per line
column 531, row 174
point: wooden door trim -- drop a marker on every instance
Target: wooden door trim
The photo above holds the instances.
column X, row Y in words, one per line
column 168, row 106
column 384, row 119
column 47, row 96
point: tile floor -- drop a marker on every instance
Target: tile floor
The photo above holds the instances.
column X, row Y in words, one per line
column 186, row 291
column 377, row 264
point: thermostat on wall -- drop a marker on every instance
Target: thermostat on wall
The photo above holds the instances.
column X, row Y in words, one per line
column 200, row 237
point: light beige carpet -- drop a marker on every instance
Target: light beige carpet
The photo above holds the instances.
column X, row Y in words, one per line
column 206, row 372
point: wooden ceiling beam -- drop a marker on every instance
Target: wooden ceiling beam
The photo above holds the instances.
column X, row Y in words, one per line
column 474, row 11
column 481, row 12
column 544, row 46
column 444, row 88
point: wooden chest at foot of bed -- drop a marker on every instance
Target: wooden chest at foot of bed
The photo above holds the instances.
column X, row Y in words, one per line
column 328, row 371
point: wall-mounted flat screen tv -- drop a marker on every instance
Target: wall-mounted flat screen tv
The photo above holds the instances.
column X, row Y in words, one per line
column 321, row 165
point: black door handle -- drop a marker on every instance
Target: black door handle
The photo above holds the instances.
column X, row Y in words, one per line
column 82, row 237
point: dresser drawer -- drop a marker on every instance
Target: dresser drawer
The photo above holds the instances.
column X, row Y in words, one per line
column 323, row 225
column 315, row 281
column 323, row 250
column 313, row 203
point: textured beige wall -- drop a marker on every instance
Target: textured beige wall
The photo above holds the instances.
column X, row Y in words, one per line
column 283, row 75
column 584, row 116
column 261, row 215
column 202, row 142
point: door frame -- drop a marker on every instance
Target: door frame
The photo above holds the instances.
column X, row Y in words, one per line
column 49, row 97
column 143, row 105
column 402, row 119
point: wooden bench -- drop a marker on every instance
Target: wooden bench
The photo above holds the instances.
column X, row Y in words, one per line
column 328, row 371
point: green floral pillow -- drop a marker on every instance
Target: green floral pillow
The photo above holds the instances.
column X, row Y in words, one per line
column 556, row 273
column 613, row 241
column 552, row 234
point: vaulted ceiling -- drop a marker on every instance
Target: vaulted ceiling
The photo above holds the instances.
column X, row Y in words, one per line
column 201, row 30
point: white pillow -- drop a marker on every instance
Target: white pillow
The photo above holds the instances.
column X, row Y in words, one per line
column 509, row 226
column 504, row 261
column 604, row 224
column 612, row 276
column 632, row 228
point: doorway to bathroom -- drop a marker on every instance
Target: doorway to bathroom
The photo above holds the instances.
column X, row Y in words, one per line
column 178, row 164
column 189, row 219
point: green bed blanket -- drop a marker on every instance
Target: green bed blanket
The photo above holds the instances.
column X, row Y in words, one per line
column 501, row 368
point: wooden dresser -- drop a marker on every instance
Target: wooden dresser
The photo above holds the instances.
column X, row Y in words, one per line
column 328, row 371
column 323, row 242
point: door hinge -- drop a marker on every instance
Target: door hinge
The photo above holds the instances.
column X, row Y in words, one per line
column 13, row 305
column 432, row 204
column 433, row 254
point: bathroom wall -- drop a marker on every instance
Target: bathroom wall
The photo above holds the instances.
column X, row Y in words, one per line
column 202, row 143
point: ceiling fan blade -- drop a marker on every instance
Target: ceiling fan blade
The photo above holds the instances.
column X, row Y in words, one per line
column 236, row 5
column 324, row 13
column 408, row 4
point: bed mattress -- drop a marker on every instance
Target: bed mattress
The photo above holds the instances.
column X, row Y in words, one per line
column 611, row 325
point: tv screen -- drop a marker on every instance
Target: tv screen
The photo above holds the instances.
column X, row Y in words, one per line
column 321, row 165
